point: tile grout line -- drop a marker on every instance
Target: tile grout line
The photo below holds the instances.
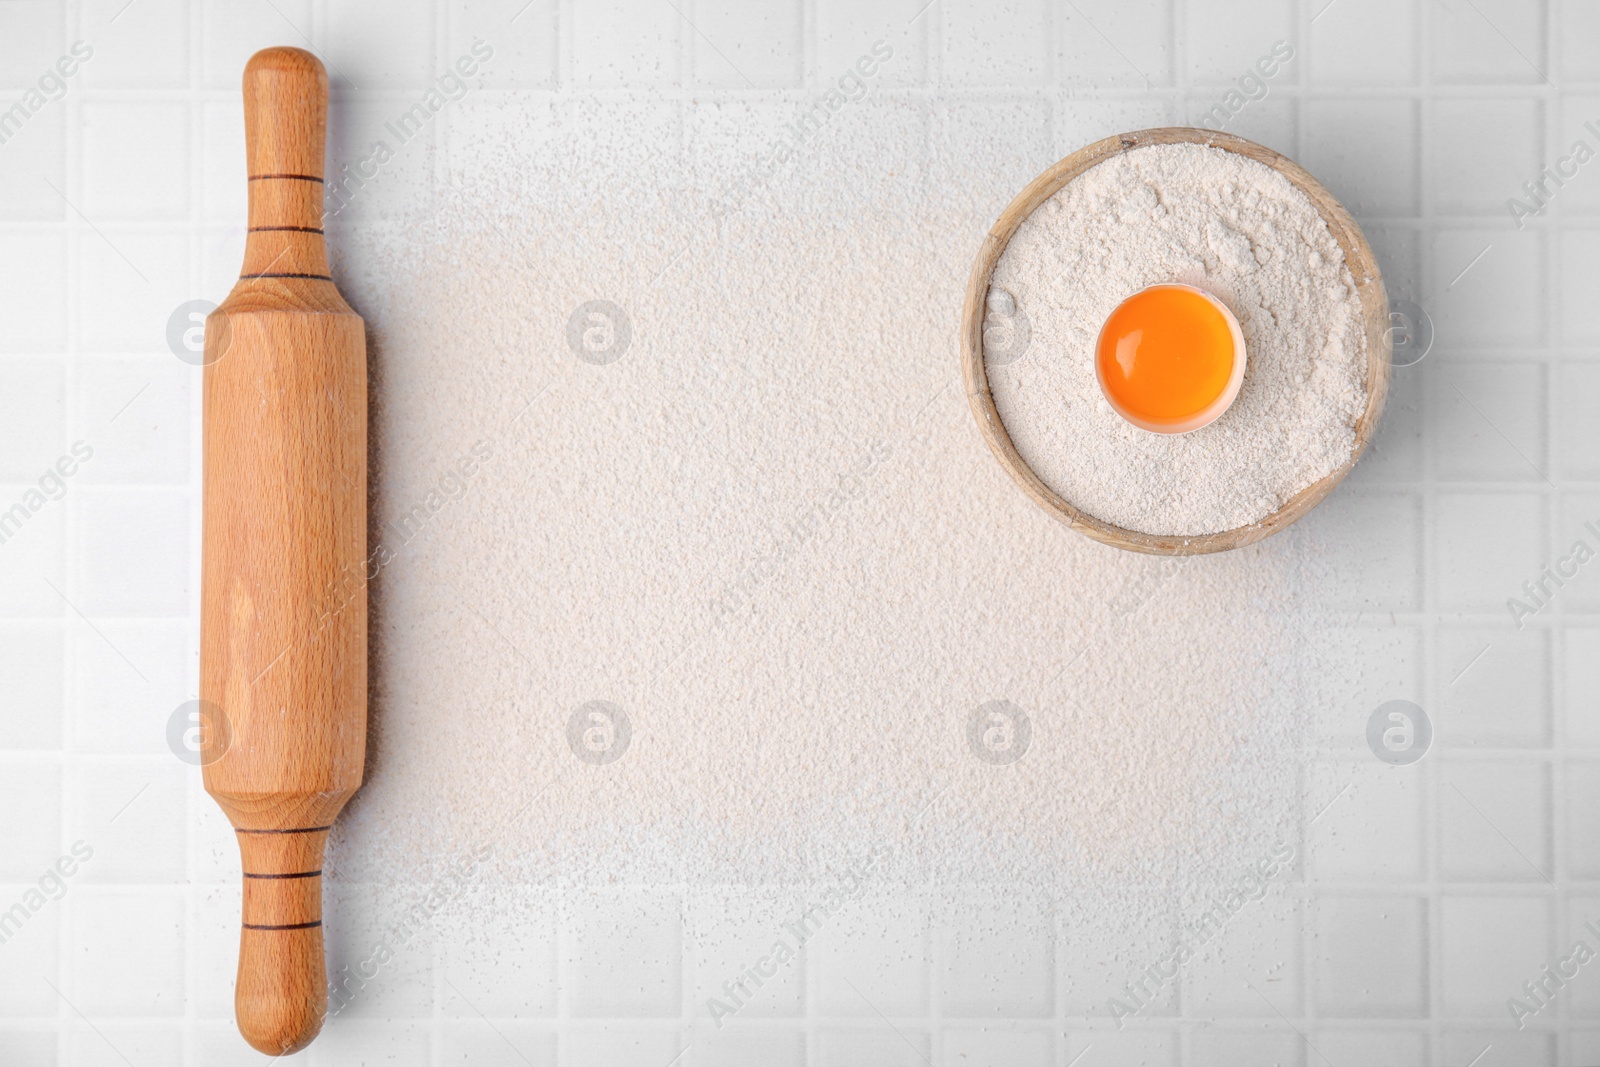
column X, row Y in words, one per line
column 72, row 144
column 1427, row 542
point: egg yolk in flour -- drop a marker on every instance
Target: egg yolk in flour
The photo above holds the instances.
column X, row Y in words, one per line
column 1165, row 358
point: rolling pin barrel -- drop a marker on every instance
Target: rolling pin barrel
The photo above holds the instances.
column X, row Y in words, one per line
column 283, row 653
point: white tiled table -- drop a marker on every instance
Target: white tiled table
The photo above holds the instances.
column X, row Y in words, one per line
column 1420, row 911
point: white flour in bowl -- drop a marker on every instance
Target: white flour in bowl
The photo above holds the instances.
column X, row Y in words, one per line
column 1234, row 227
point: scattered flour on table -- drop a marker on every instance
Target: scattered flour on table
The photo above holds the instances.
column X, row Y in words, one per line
column 772, row 537
column 1236, row 228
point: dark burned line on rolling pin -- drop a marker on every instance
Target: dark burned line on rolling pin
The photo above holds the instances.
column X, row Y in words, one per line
column 293, row 229
column 285, row 926
column 296, row 830
column 280, row 877
column 286, row 177
column 276, row 274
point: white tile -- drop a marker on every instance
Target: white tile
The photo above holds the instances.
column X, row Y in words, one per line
column 1488, row 544
column 524, row 47
column 31, row 658
column 1496, row 688
column 224, row 181
column 994, row 43
column 130, row 280
column 213, row 845
column 1373, row 1048
column 138, row 414
column 1489, row 421
column 1482, row 152
column 1582, row 807
column 1126, row 1048
column 998, row 965
column 1336, row 695
column 627, row 958
column 1262, row 952
column 882, row 950
column 231, row 33
column 745, row 960
column 32, row 950
column 139, row 46
column 1582, row 922
column 391, row 1042
column 721, row 135
column 116, row 1044
column 135, row 161
column 1487, row 288
column 1580, row 686
column 29, row 1047
column 32, row 429
column 1217, row 1047
column 1097, row 967
column 877, row 1047
column 1494, row 822
column 30, row 555
column 1370, row 956
column 737, row 1048
column 1395, row 455
column 1372, row 831
column 1580, row 22
column 1488, row 947
column 1583, row 1044
column 30, row 820
column 133, row 552
column 35, row 37
column 1500, row 1046
column 402, row 188
column 616, row 1044
column 1117, row 44
column 1580, row 274
column 640, row 132
column 1577, row 441
column 497, row 1044
column 847, row 30
column 124, row 683
column 1365, row 152
column 878, row 145
column 1357, row 571
column 1226, row 37
column 34, row 160
column 626, row 42
column 1399, row 253
column 134, row 816
column 741, row 46
column 1578, row 197
column 1011, row 136
column 33, row 291
column 116, row 933
column 1272, row 122
column 1577, row 520
column 996, row 1047
column 1489, row 41
column 1345, row 50
column 381, row 44
column 1089, row 120
column 381, row 953
column 215, row 930
column 518, row 979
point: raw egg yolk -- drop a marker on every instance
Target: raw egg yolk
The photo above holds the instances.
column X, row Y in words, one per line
column 1165, row 354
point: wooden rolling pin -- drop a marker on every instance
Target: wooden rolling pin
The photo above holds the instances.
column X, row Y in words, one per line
column 283, row 606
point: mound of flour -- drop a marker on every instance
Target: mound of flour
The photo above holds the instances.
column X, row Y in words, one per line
column 1210, row 218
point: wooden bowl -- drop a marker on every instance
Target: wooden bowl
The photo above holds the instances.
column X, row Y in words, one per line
column 1363, row 269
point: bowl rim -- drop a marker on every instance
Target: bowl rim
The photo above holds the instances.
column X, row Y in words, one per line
column 1363, row 270
column 1212, row 411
